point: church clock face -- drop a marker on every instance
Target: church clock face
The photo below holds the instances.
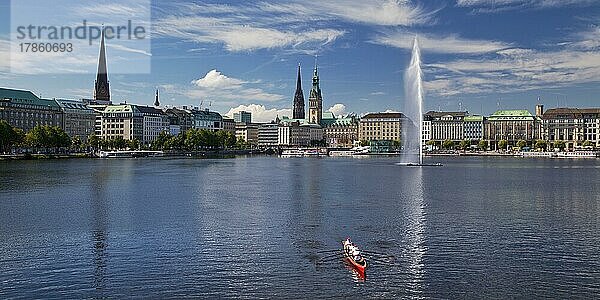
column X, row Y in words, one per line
column 102, row 89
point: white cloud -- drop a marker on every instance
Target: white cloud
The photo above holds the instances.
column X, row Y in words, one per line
column 376, row 12
column 493, row 6
column 221, row 89
column 260, row 114
column 214, row 79
column 338, row 109
column 588, row 40
column 439, row 44
column 297, row 25
column 377, row 93
column 243, row 28
column 513, row 70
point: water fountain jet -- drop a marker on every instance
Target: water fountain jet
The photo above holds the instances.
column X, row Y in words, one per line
column 412, row 134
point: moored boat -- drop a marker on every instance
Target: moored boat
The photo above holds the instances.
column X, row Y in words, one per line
column 353, row 256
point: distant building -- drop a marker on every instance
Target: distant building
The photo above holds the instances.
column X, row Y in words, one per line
column 102, row 87
column 179, row 120
column 78, row 119
column 512, row 126
column 296, row 134
column 206, row 119
column 23, row 109
column 315, row 101
column 381, row 126
column 573, row 126
column 229, row 125
column 122, row 121
column 242, row 116
column 298, row 107
column 154, row 121
column 441, row 126
column 340, row 132
column 247, row 132
column 268, row 135
column 473, row 128
column 98, row 111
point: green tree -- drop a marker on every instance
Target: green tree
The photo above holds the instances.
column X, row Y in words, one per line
column 464, row 144
column 76, row 143
column 502, row 144
column 241, row 144
column 9, row 136
column 588, row 144
column 483, row 145
column 47, row 137
column 133, row 144
column 521, row 144
column 230, row 139
column 93, row 142
column 560, row 145
column 162, row 141
column 177, row 142
column 541, row 144
column 193, row 139
column 448, row 144
column 364, row 143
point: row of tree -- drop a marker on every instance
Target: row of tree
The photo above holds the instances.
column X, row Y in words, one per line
column 504, row 144
column 42, row 137
column 52, row 139
column 197, row 139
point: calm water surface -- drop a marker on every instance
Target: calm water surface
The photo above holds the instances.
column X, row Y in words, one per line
column 251, row 228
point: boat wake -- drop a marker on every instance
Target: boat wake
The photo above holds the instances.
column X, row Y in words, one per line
column 419, row 164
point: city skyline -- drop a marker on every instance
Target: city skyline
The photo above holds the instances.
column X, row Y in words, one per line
column 247, row 57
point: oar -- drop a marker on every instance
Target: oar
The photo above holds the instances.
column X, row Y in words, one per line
column 380, row 261
column 331, row 255
column 385, row 258
column 327, row 260
column 327, row 251
column 374, row 252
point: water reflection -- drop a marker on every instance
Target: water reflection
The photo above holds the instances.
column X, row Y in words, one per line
column 99, row 209
column 415, row 232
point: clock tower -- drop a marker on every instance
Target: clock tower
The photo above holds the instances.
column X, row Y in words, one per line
column 315, row 100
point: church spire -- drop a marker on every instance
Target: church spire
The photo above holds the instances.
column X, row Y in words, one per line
column 315, row 99
column 156, row 102
column 102, row 88
column 298, row 111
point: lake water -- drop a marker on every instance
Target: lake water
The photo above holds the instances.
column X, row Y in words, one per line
column 252, row 228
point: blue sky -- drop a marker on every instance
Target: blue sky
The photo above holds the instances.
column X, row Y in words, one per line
column 479, row 55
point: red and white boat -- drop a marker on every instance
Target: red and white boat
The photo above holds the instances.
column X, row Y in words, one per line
column 353, row 256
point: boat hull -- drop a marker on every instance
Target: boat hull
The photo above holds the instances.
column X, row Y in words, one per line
column 360, row 268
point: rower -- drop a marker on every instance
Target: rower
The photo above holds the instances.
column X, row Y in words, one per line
column 356, row 254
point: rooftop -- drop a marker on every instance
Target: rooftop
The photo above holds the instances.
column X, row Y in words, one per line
column 149, row 110
column 473, row 119
column 384, row 115
column 568, row 112
column 438, row 114
column 511, row 115
column 118, row 108
column 25, row 97
column 73, row 104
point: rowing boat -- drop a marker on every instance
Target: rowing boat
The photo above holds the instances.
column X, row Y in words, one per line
column 358, row 262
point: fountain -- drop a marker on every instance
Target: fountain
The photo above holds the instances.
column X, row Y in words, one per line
column 412, row 134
